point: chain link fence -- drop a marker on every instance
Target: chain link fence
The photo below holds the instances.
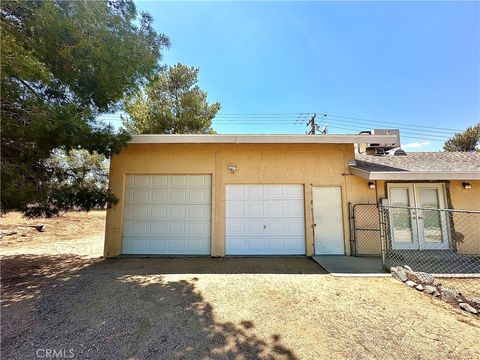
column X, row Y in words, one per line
column 365, row 228
column 442, row 242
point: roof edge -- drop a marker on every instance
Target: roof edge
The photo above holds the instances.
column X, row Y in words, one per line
column 415, row 175
column 260, row 139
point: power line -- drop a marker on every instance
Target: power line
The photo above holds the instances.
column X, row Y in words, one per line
column 298, row 116
column 331, row 121
column 416, row 128
column 345, row 127
column 262, row 115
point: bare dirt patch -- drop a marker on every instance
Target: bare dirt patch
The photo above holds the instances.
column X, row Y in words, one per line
column 77, row 233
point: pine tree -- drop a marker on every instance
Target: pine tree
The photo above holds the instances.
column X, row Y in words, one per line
column 466, row 141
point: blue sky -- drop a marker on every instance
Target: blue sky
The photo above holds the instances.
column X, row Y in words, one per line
column 399, row 62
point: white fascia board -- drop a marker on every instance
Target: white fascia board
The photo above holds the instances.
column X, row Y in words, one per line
column 414, row 175
column 261, row 139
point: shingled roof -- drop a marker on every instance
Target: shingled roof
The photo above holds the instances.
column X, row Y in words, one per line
column 419, row 166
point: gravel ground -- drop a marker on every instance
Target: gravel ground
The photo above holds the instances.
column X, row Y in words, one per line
column 200, row 308
column 58, row 294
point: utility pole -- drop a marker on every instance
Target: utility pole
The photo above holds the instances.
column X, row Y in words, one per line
column 312, row 125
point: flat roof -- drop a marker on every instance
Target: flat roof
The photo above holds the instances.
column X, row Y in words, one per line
column 262, row 139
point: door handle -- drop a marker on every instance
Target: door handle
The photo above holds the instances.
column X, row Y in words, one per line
column 265, row 227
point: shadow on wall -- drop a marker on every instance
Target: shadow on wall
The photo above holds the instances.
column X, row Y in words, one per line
column 106, row 309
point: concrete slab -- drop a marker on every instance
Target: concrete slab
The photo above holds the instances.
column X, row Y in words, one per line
column 338, row 265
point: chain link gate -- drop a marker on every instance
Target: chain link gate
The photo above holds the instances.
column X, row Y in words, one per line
column 365, row 229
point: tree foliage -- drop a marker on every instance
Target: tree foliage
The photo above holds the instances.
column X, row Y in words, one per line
column 172, row 103
column 78, row 180
column 469, row 140
column 63, row 63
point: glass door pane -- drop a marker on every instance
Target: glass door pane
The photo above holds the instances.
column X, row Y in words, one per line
column 401, row 219
column 432, row 223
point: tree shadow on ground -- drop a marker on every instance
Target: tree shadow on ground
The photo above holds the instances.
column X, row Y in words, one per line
column 103, row 309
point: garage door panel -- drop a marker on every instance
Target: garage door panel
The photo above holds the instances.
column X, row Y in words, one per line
column 279, row 229
column 235, row 209
column 167, row 214
column 138, row 246
column 178, row 181
column 273, row 191
column 234, row 192
column 159, row 196
column 159, row 181
column 199, row 212
column 236, row 246
column 274, row 226
column 136, row 212
column 158, row 228
column 200, row 181
column 295, row 245
column 137, row 181
column 235, row 228
column 275, row 244
column 199, row 196
column 178, row 196
column 176, row 228
column 177, row 212
column 253, row 192
column 156, row 245
column 176, row 245
column 273, row 208
column 198, row 228
column 293, row 208
column 254, row 208
column 253, row 227
column 136, row 197
column 135, row 228
column 294, row 227
column 158, row 211
column 292, row 192
column 199, row 246
column 255, row 245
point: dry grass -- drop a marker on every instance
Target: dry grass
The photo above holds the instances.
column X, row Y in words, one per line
column 77, row 233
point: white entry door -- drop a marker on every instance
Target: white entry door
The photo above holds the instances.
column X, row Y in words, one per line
column 265, row 220
column 167, row 215
column 412, row 224
column 328, row 220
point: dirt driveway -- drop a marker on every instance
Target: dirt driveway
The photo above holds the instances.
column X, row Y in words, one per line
column 201, row 308
column 155, row 308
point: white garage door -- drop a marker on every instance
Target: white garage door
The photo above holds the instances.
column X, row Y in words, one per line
column 167, row 214
column 265, row 220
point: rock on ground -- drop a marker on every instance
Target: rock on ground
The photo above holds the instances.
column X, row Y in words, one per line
column 468, row 307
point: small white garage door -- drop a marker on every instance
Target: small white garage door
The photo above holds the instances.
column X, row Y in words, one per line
column 167, row 214
column 265, row 220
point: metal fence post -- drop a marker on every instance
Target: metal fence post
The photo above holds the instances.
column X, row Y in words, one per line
column 381, row 219
column 351, row 217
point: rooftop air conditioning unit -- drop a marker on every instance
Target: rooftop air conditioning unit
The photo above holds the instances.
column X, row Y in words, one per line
column 381, row 148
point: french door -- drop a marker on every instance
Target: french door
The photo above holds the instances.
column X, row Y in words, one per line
column 417, row 223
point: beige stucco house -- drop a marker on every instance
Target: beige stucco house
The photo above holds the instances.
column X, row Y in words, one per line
column 222, row 195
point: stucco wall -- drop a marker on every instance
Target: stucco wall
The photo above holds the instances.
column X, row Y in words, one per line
column 466, row 225
column 307, row 164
